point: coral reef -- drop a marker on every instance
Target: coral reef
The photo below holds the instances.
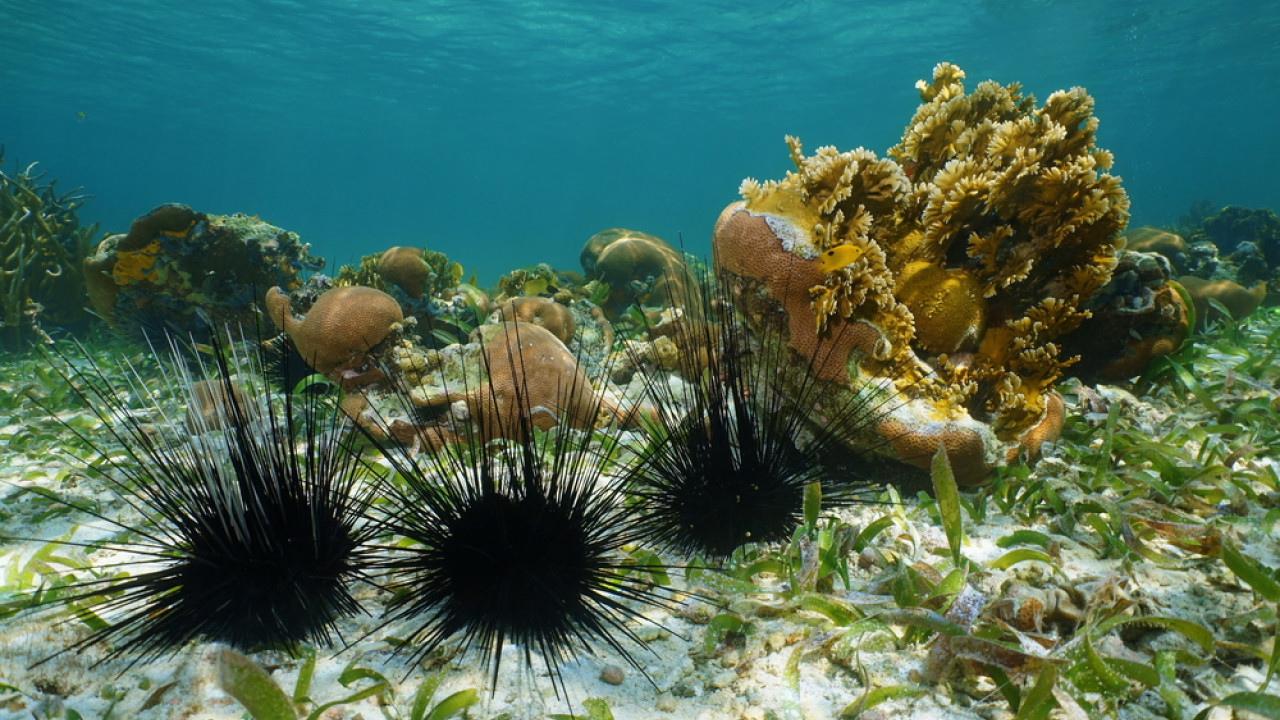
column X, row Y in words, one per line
column 512, row 377
column 540, row 280
column 41, row 248
column 639, row 268
column 1239, row 244
column 981, row 238
column 339, row 329
column 428, row 286
column 1236, row 244
column 1234, row 225
column 175, row 261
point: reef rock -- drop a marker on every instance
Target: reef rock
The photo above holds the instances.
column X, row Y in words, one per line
column 977, row 243
column 1244, row 245
column 1137, row 316
column 175, row 261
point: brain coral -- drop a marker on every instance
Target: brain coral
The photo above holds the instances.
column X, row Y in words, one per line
column 545, row 312
column 417, row 271
column 981, row 236
column 638, row 267
column 340, row 328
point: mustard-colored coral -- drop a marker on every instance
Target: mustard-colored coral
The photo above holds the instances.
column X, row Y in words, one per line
column 947, row 304
column 982, row 234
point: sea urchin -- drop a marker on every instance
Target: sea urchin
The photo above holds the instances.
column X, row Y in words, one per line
column 734, row 442
column 514, row 542
column 253, row 516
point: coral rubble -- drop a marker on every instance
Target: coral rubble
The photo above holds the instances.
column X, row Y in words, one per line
column 981, row 238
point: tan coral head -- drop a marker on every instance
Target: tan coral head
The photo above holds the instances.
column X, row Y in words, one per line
column 534, row 381
column 545, row 312
column 337, row 332
column 405, row 267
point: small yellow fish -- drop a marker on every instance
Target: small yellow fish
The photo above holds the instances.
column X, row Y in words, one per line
column 838, row 257
column 536, row 286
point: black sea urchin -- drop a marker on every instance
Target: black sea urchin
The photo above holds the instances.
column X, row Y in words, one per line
column 253, row 524
column 514, row 541
column 734, row 443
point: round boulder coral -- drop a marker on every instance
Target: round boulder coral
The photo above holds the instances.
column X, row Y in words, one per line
column 1147, row 239
column 403, row 266
column 530, row 373
column 947, row 304
column 339, row 329
column 1240, row 301
column 638, row 267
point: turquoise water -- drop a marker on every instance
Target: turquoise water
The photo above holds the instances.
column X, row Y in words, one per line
column 506, row 133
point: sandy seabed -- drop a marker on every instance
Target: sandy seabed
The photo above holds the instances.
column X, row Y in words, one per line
column 785, row 666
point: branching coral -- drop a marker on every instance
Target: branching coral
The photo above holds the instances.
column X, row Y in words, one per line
column 978, row 241
column 41, row 248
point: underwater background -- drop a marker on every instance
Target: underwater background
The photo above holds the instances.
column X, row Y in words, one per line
column 506, row 133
